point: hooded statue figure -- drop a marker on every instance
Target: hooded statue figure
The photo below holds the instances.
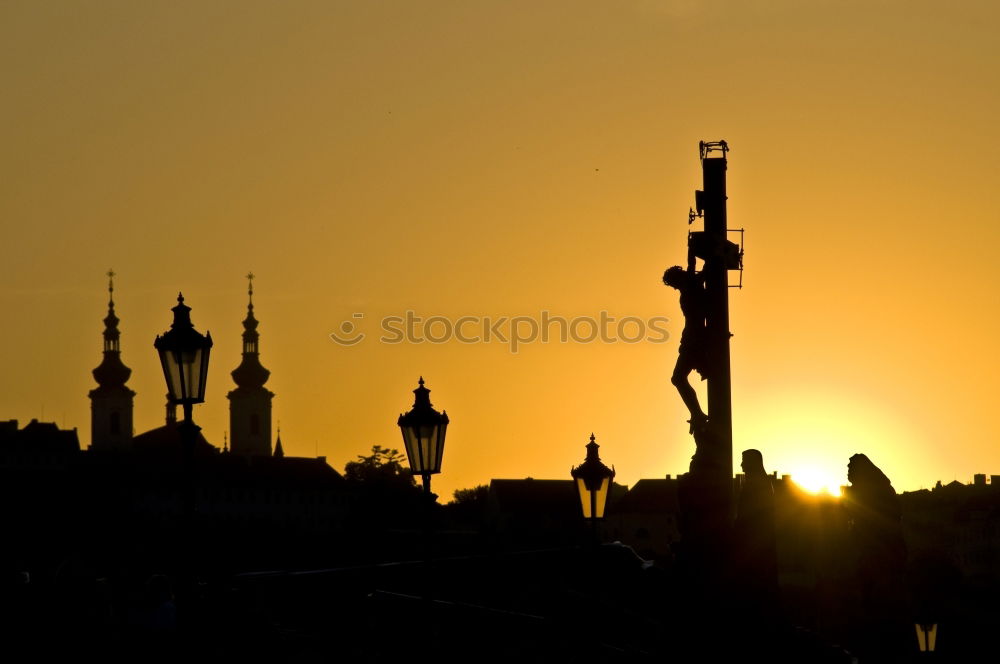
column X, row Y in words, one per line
column 755, row 553
column 873, row 514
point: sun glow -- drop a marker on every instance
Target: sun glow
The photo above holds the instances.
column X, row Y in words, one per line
column 812, row 434
column 817, row 480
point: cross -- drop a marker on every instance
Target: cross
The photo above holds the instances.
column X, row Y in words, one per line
column 250, row 276
column 111, row 280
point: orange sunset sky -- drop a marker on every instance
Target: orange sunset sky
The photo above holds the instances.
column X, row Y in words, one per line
column 503, row 159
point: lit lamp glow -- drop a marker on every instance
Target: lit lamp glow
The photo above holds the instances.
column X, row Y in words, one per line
column 926, row 637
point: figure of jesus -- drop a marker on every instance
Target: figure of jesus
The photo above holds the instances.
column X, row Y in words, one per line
column 691, row 355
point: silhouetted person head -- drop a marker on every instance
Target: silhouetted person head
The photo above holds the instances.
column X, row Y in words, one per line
column 871, row 501
column 753, row 463
column 675, row 277
column 860, row 470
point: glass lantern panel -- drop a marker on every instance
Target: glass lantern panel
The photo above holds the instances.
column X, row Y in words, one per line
column 203, row 379
column 171, row 369
column 192, row 373
column 581, row 486
column 439, row 446
column 428, row 447
column 410, row 442
column 602, row 497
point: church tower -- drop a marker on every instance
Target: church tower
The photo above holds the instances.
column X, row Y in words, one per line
column 250, row 402
column 111, row 401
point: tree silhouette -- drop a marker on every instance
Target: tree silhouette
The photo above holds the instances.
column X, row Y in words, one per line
column 383, row 466
column 469, row 505
column 476, row 494
column 383, row 495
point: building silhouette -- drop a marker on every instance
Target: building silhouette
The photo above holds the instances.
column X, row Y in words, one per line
column 647, row 517
column 36, row 446
column 250, row 402
column 111, row 402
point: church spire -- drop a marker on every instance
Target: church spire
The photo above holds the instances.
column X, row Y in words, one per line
column 250, row 334
column 111, row 373
column 111, row 401
column 250, row 374
column 111, row 333
column 250, row 402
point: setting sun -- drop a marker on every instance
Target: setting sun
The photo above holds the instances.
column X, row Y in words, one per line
column 817, row 480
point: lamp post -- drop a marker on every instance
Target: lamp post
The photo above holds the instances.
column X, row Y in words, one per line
column 423, row 435
column 593, row 482
column 423, row 431
column 184, row 357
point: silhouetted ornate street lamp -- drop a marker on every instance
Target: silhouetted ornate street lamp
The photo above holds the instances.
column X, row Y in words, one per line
column 423, row 435
column 184, row 355
column 593, row 482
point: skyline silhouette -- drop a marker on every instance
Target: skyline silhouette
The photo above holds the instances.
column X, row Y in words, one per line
column 250, row 372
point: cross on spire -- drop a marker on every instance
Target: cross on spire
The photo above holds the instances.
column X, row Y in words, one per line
column 250, row 276
column 111, row 284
